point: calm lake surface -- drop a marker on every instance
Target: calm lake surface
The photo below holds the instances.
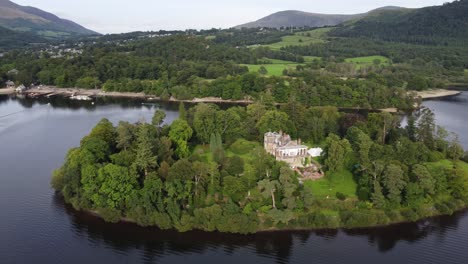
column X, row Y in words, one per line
column 37, row 227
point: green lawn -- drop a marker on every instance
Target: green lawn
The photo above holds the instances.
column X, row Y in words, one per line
column 311, row 58
column 342, row 182
column 369, row 60
column 466, row 72
column 305, row 38
column 273, row 66
column 243, row 150
column 273, row 69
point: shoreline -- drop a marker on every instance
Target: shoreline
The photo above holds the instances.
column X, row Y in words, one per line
column 127, row 220
column 437, row 93
column 50, row 91
column 54, row 91
column 7, row 91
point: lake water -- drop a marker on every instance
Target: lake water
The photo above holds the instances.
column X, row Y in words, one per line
column 37, row 227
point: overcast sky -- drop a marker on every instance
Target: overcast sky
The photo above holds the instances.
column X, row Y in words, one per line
column 117, row 16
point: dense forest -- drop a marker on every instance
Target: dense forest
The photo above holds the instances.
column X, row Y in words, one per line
column 11, row 39
column 219, row 63
column 437, row 25
column 208, row 170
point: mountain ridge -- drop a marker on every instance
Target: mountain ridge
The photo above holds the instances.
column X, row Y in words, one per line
column 297, row 18
column 34, row 20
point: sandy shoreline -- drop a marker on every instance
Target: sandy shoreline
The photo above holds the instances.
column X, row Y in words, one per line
column 7, row 91
column 437, row 93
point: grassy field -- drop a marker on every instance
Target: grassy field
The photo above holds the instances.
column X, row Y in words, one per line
column 369, row 60
column 466, row 72
column 274, row 67
column 241, row 148
column 342, row 182
column 305, row 38
column 311, row 58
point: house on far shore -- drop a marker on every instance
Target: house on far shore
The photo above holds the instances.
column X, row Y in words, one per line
column 13, row 72
column 283, row 148
column 10, row 84
column 21, row 89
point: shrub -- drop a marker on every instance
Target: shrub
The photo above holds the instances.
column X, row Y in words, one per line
column 409, row 214
column 109, row 215
column 57, row 180
column 242, row 146
column 341, row 196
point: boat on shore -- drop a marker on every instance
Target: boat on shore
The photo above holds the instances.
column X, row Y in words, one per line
column 81, row 97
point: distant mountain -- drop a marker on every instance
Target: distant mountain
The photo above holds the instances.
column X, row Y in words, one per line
column 30, row 19
column 430, row 25
column 299, row 19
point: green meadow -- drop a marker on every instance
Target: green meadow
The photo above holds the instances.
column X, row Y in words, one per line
column 273, row 67
column 368, row 60
column 328, row 186
column 304, row 38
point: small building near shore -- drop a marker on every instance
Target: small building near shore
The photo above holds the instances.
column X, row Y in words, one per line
column 13, row 72
column 21, row 89
column 10, row 84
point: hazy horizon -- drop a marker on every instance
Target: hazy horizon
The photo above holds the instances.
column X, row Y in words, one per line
column 116, row 16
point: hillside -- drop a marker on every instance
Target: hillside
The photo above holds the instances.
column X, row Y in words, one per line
column 444, row 24
column 299, row 19
column 11, row 39
column 30, row 19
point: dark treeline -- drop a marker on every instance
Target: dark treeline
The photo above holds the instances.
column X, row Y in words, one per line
column 208, row 171
column 438, row 25
column 247, row 37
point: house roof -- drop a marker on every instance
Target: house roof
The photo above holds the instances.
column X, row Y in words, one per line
column 292, row 147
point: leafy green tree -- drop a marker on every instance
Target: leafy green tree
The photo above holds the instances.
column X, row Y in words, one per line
column 268, row 188
column 181, row 170
column 273, row 121
column 377, row 196
column 204, row 121
column 228, row 123
column 393, row 180
column 424, row 179
column 288, row 186
column 455, row 150
column 145, row 159
column 336, row 151
column 361, row 144
column 182, row 111
column 180, row 134
column 234, row 165
column 158, row 117
column 216, row 147
column 117, row 186
column 200, row 175
column 262, row 70
column 125, row 135
column 426, row 128
column 234, row 187
column 105, row 131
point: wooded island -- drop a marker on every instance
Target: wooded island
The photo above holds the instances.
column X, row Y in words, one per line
column 208, row 170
